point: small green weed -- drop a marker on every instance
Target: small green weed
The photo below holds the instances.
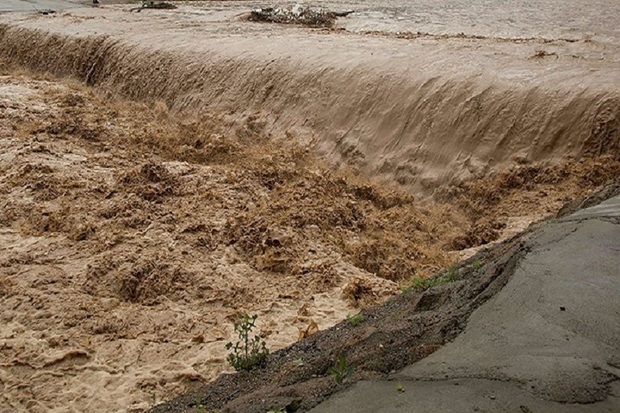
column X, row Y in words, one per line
column 419, row 284
column 477, row 264
column 247, row 352
column 199, row 407
column 355, row 320
column 341, row 372
column 450, row 275
column 400, row 388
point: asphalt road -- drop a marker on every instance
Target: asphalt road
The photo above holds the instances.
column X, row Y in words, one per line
column 548, row 342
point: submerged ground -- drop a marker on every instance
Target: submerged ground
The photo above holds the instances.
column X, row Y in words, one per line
column 298, row 174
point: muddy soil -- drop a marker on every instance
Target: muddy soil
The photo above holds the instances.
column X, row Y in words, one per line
column 131, row 239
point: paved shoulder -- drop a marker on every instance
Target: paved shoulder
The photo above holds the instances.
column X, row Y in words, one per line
column 548, row 342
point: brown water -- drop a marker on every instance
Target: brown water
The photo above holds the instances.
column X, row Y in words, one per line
column 421, row 111
column 131, row 233
column 548, row 19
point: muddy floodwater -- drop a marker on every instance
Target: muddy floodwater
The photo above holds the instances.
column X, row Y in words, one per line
column 570, row 19
column 162, row 172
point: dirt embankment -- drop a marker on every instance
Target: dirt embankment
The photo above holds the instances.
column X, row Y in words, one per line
column 391, row 336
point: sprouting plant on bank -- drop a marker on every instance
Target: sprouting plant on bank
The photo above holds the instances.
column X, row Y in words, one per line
column 477, row 264
column 199, row 407
column 420, row 284
column 248, row 352
column 355, row 320
column 450, row 275
column 341, row 372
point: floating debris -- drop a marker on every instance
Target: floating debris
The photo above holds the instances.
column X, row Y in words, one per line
column 46, row 12
column 297, row 14
column 148, row 4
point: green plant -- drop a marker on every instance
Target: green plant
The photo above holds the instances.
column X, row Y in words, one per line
column 400, row 388
column 355, row 320
column 199, row 407
column 419, row 284
column 477, row 264
column 247, row 353
column 341, row 371
column 450, row 275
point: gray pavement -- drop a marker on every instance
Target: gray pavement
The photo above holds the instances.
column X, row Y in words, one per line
column 548, row 342
column 609, row 208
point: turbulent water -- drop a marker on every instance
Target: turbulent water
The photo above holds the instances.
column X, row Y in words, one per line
column 572, row 19
column 137, row 229
column 421, row 111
